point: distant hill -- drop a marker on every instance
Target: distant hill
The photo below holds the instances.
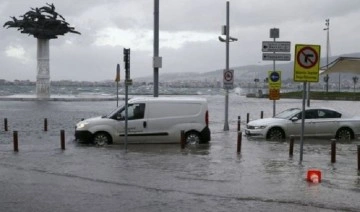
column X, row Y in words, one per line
column 249, row 72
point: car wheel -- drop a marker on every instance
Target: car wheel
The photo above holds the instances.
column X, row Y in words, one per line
column 275, row 134
column 344, row 134
column 192, row 138
column 101, row 139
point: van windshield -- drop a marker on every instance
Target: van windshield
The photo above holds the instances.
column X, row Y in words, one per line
column 112, row 113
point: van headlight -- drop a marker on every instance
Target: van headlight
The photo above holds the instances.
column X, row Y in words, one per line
column 81, row 125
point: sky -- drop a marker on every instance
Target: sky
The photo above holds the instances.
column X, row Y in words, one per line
column 189, row 31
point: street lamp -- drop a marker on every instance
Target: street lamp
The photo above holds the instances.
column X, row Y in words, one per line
column 326, row 78
column 227, row 40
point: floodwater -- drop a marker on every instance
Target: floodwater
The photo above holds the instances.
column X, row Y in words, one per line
column 207, row 177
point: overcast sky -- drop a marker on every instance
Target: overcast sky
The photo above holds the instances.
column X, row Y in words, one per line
column 189, row 31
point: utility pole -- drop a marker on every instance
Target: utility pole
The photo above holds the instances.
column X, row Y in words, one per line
column 226, row 123
column 228, row 74
column 157, row 62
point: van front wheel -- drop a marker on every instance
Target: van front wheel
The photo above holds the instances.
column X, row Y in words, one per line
column 101, row 139
column 192, row 138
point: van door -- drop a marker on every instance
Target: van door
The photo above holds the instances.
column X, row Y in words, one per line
column 136, row 121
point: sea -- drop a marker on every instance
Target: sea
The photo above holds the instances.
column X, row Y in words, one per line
column 263, row 176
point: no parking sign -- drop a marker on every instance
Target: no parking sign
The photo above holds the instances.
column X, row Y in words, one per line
column 228, row 79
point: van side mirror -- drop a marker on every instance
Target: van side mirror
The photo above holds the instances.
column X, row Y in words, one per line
column 118, row 116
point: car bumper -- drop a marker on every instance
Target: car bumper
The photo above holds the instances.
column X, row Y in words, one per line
column 255, row 133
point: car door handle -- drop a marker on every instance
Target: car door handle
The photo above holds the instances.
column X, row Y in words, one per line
column 144, row 124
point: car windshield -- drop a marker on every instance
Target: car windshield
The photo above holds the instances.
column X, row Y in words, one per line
column 287, row 114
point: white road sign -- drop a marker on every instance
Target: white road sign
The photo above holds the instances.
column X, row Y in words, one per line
column 278, row 57
column 228, row 79
column 276, row 46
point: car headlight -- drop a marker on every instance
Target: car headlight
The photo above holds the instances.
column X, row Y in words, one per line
column 259, row 127
column 81, row 125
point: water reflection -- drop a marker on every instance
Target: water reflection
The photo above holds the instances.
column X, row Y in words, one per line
column 196, row 149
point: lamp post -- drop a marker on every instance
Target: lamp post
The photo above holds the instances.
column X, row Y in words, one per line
column 227, row 40
column 326, row 78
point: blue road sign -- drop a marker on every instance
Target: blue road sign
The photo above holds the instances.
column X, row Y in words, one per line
column 274, row 79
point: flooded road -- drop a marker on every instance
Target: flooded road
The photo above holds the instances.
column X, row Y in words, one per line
column 207, row 177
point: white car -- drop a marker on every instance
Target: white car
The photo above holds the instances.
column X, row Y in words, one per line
column 319, row 122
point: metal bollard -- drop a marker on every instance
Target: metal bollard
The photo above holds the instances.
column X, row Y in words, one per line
column 333, row 150
column 262, row 114
column 182, row 139
column 5, row 124
column 16, row 147
column 247, row 117
column 45, row 124
column 62, row 139
column 358, row 150
column 239, row 140
column 238, row 124
column 291, row 148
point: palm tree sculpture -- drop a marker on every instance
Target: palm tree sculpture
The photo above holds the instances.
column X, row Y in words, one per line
column 44, row 24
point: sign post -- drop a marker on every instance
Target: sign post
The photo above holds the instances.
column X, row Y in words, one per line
column 306, row 69
column 275, row 46
column 127, row 80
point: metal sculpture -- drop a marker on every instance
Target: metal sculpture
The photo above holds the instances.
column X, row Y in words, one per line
column 43, row 23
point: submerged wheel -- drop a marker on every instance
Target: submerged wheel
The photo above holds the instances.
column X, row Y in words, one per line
column 344, row 134
column 101, row 139
column 275, row 134
column 192, row 138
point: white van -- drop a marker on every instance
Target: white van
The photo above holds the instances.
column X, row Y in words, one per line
column 150, row 120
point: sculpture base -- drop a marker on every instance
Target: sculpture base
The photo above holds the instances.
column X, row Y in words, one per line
column 43, row 69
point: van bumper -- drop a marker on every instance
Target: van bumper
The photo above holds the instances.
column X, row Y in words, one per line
column 205, row 135
column 84, row 136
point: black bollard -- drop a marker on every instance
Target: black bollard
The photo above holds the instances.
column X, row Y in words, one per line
column 182, row 139
column 239, row 140
column 238, row 124
column 247, row 117
column 262, row 114
column 62, row 139
column 5, row 124
column 358, row 150
column 16, row 147
column 291, row 148
column 333, row 150
column 45, row 124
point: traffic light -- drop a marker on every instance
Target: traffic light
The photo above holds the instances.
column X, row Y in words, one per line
column 127, row 58
column 127, row 63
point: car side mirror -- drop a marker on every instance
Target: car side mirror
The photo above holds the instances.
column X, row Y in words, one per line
column 293, row 119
